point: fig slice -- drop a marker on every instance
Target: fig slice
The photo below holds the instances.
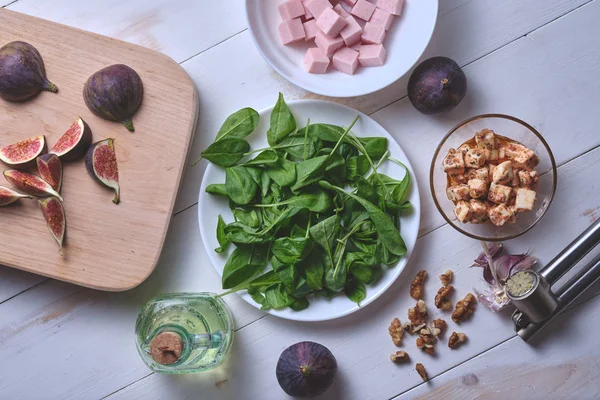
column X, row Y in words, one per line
column 30, row 184
column 50, row 169
column 75, row 142
column 9, row 196
column 101, row 163
column 23, row 153
column 54, row 213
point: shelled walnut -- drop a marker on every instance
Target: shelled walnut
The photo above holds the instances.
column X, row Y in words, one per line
column 412, row 328
column 426, row 341
column 396, row 331
column 418, row 314
column 446, row 277
column 456, row 339
column 422, row 372
column 438, row 327
column 442, row 298
column 416, row 287
column 399, row 356
column 464, row 308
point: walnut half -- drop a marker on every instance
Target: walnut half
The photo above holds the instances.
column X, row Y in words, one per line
column 399, row 356
column 456, row 339
column 446, row 277
column 416, row 287
column 438, row 327
column 426, row 341
column 422, row 372
column 396, row 331
column 464, row 308
column 442, row 298
column 418, row 314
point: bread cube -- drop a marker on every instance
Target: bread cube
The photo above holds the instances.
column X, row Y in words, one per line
column 328, row 44
column 291, row 31
column 524, row 179
column 525, row 200
column 391, row 6
column 310, row 30
column 463, row 211
column 458, row 192
column 499, row 194
column 315, row 61
column 454, row 163
column 521, row 155
column 373, row 34
column 474, row 158
column 503, row 173
column 493, row 156
column 500, row 214
column 479, row 212
column 346, row 60
column 341, row 11
column 291, row 9
column 485, row 139
column 330, row 22
column 515, row 181
column 480, row 173
column 372, row 55
column 363, row 10
column 491, row 170
column 460, row 179
column 535, row 180
column 382, row 18
column 316, row 7
column 464, row 148
column 477, row 188
column 352, row 32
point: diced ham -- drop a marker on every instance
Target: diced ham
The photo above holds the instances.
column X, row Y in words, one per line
column 372, row 55
column 346, row 60
column 391, row 6
column 307, row 14
column 291, row 31
column 315, row 61
column 341, row 11
column 310, row 30
column 291, row 9
column 382, row 18
column 363, row 10
column 352, row 32
column 328, row 44
column 350, row 2
column 373, row 34
column 316, row 7
column 330, row 22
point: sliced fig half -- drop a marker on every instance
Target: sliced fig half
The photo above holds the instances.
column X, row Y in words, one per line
column 50, row 169
column 54, row 213
column 23, row 153
column 9, row 196
column 101, row 163
column 75, row 142
column 30, row 184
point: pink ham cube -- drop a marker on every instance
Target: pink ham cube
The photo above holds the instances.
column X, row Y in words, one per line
column 310, row 30
column 373, row 34
column 372, row 55
column 346, row 60
column 382, row 18
column 328, row 44
column 291, row 9
column 330, row 22
column 315, row 61
column 307, row 15
column 291, row 31
column 316, row 7
column 391, row 6
column 340, row 10
column 356, row 46
column 363, row 9
column 352, row 33
column 350, row 2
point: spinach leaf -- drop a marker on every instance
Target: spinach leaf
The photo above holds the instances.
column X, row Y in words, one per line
column 218, row 189
column 277, row 298
column 324, row 234
column 310, row 171
column 266, row 157
column 239, row 124
column 239, row 233
column 283, row 174
column 299, row 304
column 282, row 122
column 265, row 183
column 295, row 146
column 366, row 190
column 226, row 152
column 375, row 146
column 347, row 150
column 335, row 278
column 326, row 132
column 244, row 262
column 221, row 237
column 355, row 290
column 319, row 202
column 249, row 218
column 289, row 250
column 240, row 185
column 356, row 167
column 313, row 269
column 288, row 276
column 336, row 169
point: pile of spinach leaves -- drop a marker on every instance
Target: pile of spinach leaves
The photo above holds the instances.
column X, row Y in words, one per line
column 312, row 206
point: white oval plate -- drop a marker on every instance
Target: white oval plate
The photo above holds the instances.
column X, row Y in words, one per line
column 209, row 206
column 405, row 43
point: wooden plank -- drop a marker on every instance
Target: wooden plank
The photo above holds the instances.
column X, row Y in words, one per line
column 361, row 342
column 464, row 33
column 108, row 247
column 177, row 28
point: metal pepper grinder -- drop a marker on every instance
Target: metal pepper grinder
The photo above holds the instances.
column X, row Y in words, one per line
column 541, row 304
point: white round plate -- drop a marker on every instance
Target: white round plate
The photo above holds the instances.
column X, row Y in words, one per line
column 405, row 43
column 210, row 206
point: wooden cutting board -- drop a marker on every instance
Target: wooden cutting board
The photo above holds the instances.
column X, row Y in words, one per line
column 108, row 247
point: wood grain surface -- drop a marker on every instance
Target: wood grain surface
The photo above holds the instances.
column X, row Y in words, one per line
column 109, row 247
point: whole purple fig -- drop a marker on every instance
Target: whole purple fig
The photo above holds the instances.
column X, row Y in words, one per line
column 114, row 93
column 22, row 72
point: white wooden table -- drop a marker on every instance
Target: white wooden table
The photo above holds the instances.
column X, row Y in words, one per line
column 536, row 59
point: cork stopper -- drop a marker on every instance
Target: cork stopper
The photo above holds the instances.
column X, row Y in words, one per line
column 166, row 348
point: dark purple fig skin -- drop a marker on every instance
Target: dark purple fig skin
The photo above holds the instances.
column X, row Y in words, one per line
column 306, row 369
column 114, row 93
column 437, row 85
column 79, row 149
column 22, row 72
column 89, row 165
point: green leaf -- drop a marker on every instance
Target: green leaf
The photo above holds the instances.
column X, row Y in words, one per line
column 336, row 169
column 356, row 167
column 355, row 290
column 335, row 278
column 244, row 262
column 324, row 234
column 277, row 298
column 313, row 269
column 375, row 146
column 283, row 174
column 366, row 190
column 319, row 202
column 246, row 217
column 299, row 304
column 310, row 171
column 265, row 183
column 282, row 122
column 217, row 189
column 326, row 132
column 289, row 250
column 221, row 236
column 267, row 157
column 239, row 124
column 294, row 146
column 226, row 152
column 240, row 185
column 239, row 233
column 288, row 276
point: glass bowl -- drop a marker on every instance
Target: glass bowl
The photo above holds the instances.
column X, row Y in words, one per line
column 512, row 128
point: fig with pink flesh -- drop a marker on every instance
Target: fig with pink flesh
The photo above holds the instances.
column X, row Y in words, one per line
column 22, row 154
column 114, row 93
column 22, row 72
column 50, row 169
column 54, row 213
column 101, row 163
column 74, row 143
column 30, row 184
column 9, row 196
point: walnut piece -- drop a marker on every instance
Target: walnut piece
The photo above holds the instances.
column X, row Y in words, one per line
column 464, row 308
column 400, row 356
column 416, row 287
column 426, row 341
column 418, row 314
column 438, row 327
column 456, row 339
column 446, row 277
column 412, row 328
column 442, row 298
column 396, row 331
column 422, row 372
